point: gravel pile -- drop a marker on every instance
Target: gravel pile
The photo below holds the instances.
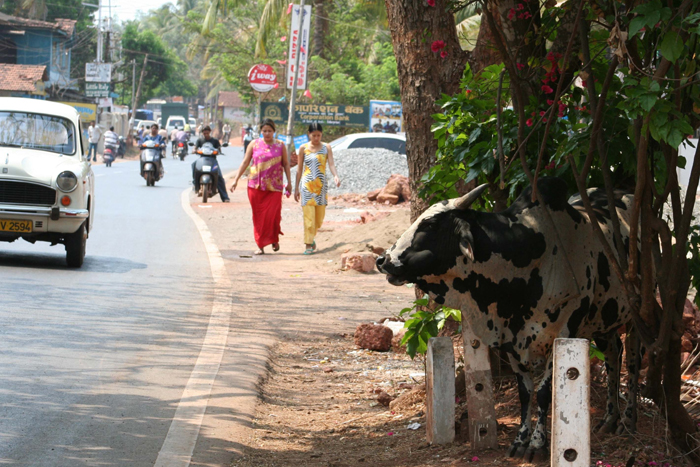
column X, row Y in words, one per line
column 363, row 170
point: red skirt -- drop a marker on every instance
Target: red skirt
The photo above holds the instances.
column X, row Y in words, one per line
column 267, row 216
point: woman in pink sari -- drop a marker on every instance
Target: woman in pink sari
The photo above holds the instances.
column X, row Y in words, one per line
column 267, row 158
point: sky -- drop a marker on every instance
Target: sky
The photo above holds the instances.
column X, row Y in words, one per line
column 126, row 10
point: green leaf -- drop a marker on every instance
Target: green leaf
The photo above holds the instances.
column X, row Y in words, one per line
column 636, row 25
column 682, row 161
column 672, row 46
column 647, row 101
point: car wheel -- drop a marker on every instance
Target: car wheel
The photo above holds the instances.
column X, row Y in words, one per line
column 75, row 247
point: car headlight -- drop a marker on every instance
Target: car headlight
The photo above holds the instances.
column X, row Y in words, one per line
column 67, row 181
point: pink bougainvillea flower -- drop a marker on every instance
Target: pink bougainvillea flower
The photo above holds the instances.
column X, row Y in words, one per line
column 443, row 54
column 528, row 122
column 282, row 62
column 550, row 102
column 511, row 13
column 584, row 83
column 391, row 433
column 520, row 66
column 431, row 2
column 289, row 8
column 547, row 90
column 307, row 93
column 542, row 112
column 437, row 45
column 525, row 15
column 521, row 6
column 475, row 459
column 283, row 38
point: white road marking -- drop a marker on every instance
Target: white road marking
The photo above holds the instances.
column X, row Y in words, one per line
column 184, row 430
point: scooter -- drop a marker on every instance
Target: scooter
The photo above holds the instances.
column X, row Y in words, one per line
column 121, row 150
column 206, row 171
column 151, row 164
column 108, row 156
column 181, row 151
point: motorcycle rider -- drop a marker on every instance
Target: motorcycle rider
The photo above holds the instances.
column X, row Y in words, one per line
column 173, row 135
column 181, row 137
column 112, row 140
column 221, row 184
column 154, row 136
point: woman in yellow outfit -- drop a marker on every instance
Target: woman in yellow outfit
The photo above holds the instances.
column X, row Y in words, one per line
column 311, row 172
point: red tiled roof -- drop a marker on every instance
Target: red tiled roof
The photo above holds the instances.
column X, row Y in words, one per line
column 230, row 99
column 21, row 77
column 64, row 25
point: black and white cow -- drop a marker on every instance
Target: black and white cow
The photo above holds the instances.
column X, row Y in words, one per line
column 521, row 282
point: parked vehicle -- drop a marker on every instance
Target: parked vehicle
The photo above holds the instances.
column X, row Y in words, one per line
column 175, row 122
column 121, row 150
column 108, row 156
column 206, row 170
column 151, row 162
column 46, row 184
column 392, row 142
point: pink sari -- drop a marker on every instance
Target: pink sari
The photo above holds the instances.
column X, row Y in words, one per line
column 265, row 191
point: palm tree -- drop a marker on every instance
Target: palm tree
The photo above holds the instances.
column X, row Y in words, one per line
column 35, row 9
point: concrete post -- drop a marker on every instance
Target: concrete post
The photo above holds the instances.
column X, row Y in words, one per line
column 440, row 391
column 483, row 425
column 571, row 419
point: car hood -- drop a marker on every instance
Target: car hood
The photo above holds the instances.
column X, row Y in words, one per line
column 38, row 166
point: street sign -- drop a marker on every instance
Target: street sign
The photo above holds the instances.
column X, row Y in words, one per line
column 331, row 115
column 97, row 89
column 104, row 102
column 296, row 36
column 98, row 72
column 262, row 78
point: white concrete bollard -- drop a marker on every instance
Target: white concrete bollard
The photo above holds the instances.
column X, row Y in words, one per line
column 483, row 425
column 571, row 418
column 440, row 391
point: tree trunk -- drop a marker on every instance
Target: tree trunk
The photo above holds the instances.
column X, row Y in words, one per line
column 320, row 27
column 423, row 77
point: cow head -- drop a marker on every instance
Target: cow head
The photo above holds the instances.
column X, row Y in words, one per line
column 434, row 243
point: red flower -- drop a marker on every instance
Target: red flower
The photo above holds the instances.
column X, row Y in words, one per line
column 437, row 45
column 468, row 91
column 521, row 6
column 542, row 112
column 431, row 2
column 511, row 13
column 443, row 54
column 520, row 66
column 549, row 166
column 528, row 122
column 547, row 90
column 550, row 102
column 584, row 83
column 524, row 15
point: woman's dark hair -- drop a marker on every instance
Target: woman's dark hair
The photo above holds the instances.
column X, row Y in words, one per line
column 315, row 127
column 268, row 122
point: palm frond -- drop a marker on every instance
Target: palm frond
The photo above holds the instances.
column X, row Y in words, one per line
column 272, row 13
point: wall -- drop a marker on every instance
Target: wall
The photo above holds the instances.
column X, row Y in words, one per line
column 689, row 153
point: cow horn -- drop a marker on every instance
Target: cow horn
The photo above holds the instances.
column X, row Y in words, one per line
column 465, row 201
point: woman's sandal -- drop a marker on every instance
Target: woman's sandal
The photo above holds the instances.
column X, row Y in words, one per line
column 259, row 251
column 313, row 245
column 309, row 251
column 275, row 247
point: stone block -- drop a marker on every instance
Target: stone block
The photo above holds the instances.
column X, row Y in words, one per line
column 362, row 262
column 440, row 391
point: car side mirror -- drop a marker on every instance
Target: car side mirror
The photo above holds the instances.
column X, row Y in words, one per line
column 224, row 145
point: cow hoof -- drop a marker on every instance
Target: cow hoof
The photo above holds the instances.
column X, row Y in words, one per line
column 517, row 450
column 536, row 455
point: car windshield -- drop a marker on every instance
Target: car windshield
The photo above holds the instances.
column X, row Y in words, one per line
column 36, row 131
column 338, row 141
column 178, row 122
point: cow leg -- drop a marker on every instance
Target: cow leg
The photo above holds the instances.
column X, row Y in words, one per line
column 525, row 390
column 538, row 443
column 634, row 361
column 611, row 345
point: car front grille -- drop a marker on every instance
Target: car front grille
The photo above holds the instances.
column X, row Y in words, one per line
column 15, row 192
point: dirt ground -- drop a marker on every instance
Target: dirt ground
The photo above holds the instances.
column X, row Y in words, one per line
column 318, row 404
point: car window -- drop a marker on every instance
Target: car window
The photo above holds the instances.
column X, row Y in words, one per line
column 390, row 144
column 336, row 142
column 363, row 143
column 36, row 131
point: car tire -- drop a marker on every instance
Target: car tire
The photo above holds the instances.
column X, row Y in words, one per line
column 75, row 247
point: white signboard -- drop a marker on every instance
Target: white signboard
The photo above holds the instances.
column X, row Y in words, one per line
column 297, row 36
column 98, row 72
column 104, row 102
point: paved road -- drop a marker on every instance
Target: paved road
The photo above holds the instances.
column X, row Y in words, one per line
column 93, row 361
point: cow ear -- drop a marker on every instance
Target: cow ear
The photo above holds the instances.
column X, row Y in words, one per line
column 466, row 247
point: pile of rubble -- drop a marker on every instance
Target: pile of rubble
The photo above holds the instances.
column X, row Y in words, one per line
column 397, row 190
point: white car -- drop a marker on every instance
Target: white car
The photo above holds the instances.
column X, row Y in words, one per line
column 390, row 141
column 173, row 122
column 46, row 183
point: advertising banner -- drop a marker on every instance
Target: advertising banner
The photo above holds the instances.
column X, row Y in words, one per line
column 331, row 115
column 385, row 117
column 87, row 112
column 98, row 72
column 96, row 89
column 296, row 36
column 262, row 78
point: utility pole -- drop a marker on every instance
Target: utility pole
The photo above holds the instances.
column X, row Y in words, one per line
column 99, row 31
column 133, row 97
column 292, row 101
column 138, row 91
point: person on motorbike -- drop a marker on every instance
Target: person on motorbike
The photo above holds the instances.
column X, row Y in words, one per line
column 221, row 184
column 154, row 136
column 112, row 141
column 181, row 137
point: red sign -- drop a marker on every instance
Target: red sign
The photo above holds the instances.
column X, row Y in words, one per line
column 262, row 78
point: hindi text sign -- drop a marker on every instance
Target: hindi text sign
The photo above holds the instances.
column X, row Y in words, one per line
column 297, row 35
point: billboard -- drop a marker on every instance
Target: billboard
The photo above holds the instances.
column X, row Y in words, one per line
column 297, row 36
column 331, row 115
column 96, row 89
column 98, row 72
column 385, row 117
column 88, row 112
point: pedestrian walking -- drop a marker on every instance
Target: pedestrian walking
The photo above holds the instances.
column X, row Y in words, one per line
column 94, row 135
column 313, row 157
column 227, row 132
column 247, row 138
column 267, row 158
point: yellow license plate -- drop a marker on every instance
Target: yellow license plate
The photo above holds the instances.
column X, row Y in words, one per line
column 8, row 225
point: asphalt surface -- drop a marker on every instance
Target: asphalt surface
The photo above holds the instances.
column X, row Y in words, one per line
column 93, row 361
